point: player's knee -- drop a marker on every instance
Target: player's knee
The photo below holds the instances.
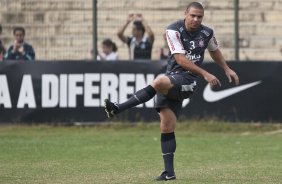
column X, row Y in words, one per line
column 161, row 83
column 167, row 127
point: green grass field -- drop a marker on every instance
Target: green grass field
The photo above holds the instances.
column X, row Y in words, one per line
column 207, row 152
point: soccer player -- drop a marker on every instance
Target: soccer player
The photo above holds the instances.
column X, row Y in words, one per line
column 187, row 40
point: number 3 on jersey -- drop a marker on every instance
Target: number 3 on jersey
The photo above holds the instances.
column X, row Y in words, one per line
column 192, row 45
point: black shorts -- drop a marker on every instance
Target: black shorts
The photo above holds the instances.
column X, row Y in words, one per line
column 181, row 80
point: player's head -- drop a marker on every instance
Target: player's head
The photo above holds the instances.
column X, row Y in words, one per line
column 138, row 29
column 194, row 15
column 19, row 34
column 108, row 46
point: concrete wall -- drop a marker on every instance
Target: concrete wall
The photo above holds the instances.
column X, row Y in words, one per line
column 62, row 29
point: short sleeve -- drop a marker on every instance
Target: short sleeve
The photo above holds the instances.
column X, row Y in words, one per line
column 129, row 39
column 174, row 42
column 212, row 45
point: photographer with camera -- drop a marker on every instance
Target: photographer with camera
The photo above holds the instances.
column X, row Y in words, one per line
column 140, row 45
column 20, row 50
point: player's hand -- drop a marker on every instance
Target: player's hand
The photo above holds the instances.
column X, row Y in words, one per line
column 231, row 75
column 16, row 46
column 139, row 17
column 21, row 49
column 130, row 17
column 212, row 80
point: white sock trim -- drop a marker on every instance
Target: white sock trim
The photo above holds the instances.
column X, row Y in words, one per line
column 167, row 153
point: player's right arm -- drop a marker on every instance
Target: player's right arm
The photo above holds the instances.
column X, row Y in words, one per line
column 178, row 52
column 121, row 30
column 10, row 55
column 191, row 67
column 28, row 53
column 148, row 29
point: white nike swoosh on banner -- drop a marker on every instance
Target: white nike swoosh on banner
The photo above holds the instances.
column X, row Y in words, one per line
column 213, row 96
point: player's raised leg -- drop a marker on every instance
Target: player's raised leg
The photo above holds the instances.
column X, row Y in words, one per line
column 139, row 97
column 161, row 84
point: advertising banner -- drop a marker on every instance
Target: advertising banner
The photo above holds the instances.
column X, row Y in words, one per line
column 74, row 91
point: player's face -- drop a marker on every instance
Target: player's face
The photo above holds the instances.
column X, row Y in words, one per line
column 134, row 31
column 107, row 50
column 19, row 36
column 193, row 18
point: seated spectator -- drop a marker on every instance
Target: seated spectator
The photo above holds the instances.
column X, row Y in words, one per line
column 140, row 45
column 109, row 51
column 164, row 50
column 2, row 48
column 20, row 50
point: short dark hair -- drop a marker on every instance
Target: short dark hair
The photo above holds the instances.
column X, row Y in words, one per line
column 0, row 28
column 109, row 43
column 19, row 29
column 139, row 26
column 196, row 5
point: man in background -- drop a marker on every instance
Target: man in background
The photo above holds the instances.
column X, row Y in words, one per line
column 140, row 45
column 20, row 50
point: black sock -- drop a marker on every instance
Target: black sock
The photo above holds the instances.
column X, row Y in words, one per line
column 141, row 96
column 168, row 145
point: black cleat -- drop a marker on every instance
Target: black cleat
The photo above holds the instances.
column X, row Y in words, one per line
column 165, row 177
column 110, row 108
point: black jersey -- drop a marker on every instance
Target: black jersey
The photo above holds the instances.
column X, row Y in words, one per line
column 192, row 44
column 139, row 50
column 28, row 55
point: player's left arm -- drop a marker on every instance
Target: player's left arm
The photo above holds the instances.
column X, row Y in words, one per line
column 148, row 29
column 217, row 56
column 28, row 53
